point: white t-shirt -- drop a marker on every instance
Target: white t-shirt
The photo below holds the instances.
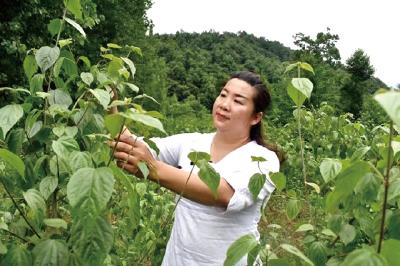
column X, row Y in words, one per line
column 202, row 234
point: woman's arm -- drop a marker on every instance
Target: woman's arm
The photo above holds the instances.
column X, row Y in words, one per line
column 130, row 152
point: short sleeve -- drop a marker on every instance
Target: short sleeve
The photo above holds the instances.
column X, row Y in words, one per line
column 239, row 180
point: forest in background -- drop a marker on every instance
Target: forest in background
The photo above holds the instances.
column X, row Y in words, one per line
column 55, row 118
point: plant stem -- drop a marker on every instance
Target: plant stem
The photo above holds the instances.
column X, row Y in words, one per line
column 386, row 187
column 121, row 131
column 20, row 211
column 15, row 235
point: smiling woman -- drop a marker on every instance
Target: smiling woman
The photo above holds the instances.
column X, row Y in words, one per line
column 205, row 225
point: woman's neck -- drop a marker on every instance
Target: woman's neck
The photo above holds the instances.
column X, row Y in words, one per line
column 223, row 144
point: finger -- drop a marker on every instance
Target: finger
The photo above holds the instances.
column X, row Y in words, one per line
column 123, row 156
column 121, row 146
column 130, row 139
column 130, row 168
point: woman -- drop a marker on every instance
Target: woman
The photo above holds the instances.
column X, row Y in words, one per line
column 206, row 226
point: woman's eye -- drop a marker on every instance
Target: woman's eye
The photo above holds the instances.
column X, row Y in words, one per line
column 223, row 95
column 239, row 102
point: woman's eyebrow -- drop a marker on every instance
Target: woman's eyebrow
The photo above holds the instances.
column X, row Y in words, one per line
column 235, row 94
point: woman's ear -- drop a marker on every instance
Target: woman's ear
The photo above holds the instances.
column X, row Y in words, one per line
column 257, row 118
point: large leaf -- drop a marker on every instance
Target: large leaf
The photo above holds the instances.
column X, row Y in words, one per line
column 17, row 256
column 9, row 116
column 209, row 176
column 390, row 102
column 46, row 57
column 329, row 169
column 47, row 186
column 74, row 6
column 74, row 24
column 50, row 252
column 345, row 184
column 60, row 97
column 35, row 200
column 318, row 253
column 14, row 161
column 391, row 251
column 92, row 241
column 36, row 83
column 90, row 189
column 279, row 180
column 87, row 77
column 256, row 183
column 293, row 208
column 131, row 65
column 364, row 257
column 147, row 120
column 299, row 90
column 102, row 96
column 54, row 26
column 30, row 66
column 297, row 252
column 239, row 249
column 195, row 156
column 347, row 233
column 78, row 160
column 114, row 123
column 64, row 146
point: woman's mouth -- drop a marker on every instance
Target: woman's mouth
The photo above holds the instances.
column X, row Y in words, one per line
column 221, row 116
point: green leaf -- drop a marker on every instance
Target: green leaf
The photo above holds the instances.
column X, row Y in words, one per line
column 50, row 252
column 30, row 66
column 278, row 262
column 292, row 208
column 256, row 183
column 394, row 225
column 347, row 233
column 303, row 85
column 152, row 145
column 297, row 97
column 74, row 24
column 239, row 249
column 102, row 96
column 114, row 123
column 359, row 153
column 46, row 57
column 14, row 161
column 195, row 156
column 71, row 131
column 307, row 67
column 291, row 66
column 78, row 160
column 64, row 42
column 131, row 86
column 318, row 253
column 147, row 120
column 252, row 255
column 314, row 186
column 85, row 60
column 13, row 90
column 295, row 251
column 74, row 6
column 305, row 228
column 69, row 65
column 258, row 159
column 56, row 223
column 57, row 66
column 130, row 65
column 209, row 176
column 364, row 257
column 36, row 127
column 90, row 189
column 35, row 200
column 145, row 96
column 87, row 77
column 17, row 255
column 394, row 190
column 92, row 239
column 279, row 180
column 3, row 248
column 64, row 146
column 144, row 169
column 391, row 251
column 54, row 26
column 60, row 97
column 47, row 186
column 329, row 169
column 345, row 184
column 390, row 102
column 36, row 83
column 9, row 116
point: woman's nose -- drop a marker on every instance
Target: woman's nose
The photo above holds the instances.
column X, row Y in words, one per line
column 224, row 104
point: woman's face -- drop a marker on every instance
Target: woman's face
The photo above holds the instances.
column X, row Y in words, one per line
column 233, row 109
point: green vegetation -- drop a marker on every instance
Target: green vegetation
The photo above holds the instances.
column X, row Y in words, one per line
column 65, row 65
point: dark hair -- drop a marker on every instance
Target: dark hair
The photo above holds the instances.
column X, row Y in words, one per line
column 262, row 101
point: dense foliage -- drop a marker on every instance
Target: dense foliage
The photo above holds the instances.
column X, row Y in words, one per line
column 65, row 67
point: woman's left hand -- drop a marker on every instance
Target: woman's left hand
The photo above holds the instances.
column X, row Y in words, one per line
column 130, row 152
